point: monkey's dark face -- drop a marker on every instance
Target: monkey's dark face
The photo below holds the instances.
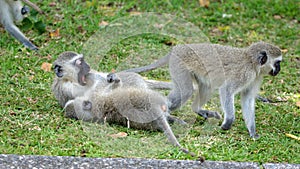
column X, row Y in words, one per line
column 25, row 10
column 72, row 67
column 268, row 62
column 84, row 69
column 276, row 69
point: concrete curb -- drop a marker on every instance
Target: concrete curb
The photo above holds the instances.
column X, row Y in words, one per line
column 40, row 162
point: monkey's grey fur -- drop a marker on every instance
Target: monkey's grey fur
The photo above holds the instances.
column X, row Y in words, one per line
column 11, row 12
column 211, row 66
column 74, row 80
column 132, row 107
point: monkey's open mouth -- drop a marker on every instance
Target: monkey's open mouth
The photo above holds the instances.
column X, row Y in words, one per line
column 83, row 80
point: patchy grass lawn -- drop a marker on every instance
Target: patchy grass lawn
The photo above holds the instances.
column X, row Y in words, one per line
column 33, row 123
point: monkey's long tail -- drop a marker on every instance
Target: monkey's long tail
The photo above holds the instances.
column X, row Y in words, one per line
column 161, row 85
column 161, row 62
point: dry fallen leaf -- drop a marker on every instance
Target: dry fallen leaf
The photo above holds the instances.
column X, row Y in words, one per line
column 292, row 136
column 277, row 17
column 204, row 3
column 284, row 50
column 30, row 100
column 46, row 66
column 118, row 135
column 54, row 33
column 133, row 13
column 223, row 28
column 298, row 103
column 103, row 23
column 31, row 77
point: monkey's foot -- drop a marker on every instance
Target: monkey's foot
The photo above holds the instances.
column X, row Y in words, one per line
column 209, row 114
column 173, row 119
column 227, row 124
column 263, row 99
column 255, row 136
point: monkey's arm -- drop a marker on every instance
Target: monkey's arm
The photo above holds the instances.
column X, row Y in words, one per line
column 248, row 107
column 15, row 32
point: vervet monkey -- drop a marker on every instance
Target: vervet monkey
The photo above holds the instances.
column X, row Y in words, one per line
column 132, row 107
column 74, row 77
column 11, row 12
column 231, row 70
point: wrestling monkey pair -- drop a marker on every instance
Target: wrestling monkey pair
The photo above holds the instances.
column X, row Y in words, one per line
column 228, row 69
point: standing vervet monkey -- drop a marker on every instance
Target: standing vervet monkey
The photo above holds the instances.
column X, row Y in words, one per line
column 133, row 107
column 11, row 12
column 228, row 69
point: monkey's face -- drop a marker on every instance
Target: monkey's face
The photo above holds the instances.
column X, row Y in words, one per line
column 71, row 66
column 269, row 63
column 79, row 108
column 276, row 68
column 83, row 68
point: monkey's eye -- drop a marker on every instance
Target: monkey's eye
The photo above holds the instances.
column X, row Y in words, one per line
column 58, row 71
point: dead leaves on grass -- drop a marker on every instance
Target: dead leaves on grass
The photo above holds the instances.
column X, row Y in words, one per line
column 204, row 3
column 46, row 66
column 118, row 135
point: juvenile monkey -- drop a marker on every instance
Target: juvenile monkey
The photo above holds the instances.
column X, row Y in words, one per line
column 228, row 69
column 132, row 107
column 74, row 77
column 11, row 12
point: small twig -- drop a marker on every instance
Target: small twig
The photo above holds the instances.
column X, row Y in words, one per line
column 292, row 136
column 34, row 6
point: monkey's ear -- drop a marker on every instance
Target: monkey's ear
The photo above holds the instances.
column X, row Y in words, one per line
column 58, row 71
column 262, row 57
column 87, row 105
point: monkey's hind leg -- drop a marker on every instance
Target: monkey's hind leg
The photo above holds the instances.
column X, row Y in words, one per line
column 202, row 96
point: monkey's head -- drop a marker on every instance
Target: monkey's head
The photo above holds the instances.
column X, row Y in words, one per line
column 79, row 108
column 267, row 57
column 70, row 66
column 19, row 11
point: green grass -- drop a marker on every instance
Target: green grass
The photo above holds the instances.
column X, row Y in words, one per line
column 33, row 123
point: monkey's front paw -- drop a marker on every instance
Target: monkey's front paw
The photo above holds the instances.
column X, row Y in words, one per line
column 112, row 77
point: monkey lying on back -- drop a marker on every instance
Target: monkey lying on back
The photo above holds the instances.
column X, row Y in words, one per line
column 74, row 77
column 128, row 106
column 13, row 11
column 211, row 66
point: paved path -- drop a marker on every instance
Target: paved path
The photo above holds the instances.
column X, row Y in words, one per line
column 41, row 162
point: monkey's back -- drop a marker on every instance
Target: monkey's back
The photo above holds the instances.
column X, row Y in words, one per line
column 140, row 107
column 215, row 63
